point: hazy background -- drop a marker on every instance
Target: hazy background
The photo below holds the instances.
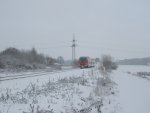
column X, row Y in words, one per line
column 120, row 28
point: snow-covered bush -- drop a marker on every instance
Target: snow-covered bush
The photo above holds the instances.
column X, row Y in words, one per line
column 77, row 80
column 107, row 65
column 36, row 109
column 114, row 66
column 143, row 73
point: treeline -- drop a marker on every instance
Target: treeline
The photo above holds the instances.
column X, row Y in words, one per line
column 135, row 61
column 12, row 58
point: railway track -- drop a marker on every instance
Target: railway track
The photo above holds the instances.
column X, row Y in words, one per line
column 32, row 74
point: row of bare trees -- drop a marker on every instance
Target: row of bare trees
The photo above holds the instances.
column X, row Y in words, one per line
column 14, row 58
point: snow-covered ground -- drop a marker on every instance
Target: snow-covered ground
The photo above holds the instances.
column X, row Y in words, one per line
column 134, row 91
column 79, row 90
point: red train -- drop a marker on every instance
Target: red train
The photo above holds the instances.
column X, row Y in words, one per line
column 86, row 62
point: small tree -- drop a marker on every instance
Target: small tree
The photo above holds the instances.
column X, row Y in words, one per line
column 106, row 65
column 50, row 61
column 106, row 62
column 60, row 60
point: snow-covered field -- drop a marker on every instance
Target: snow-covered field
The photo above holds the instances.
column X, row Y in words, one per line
column 134, row 93
column 78, row 91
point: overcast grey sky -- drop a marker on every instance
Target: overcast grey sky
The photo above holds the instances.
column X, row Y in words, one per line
column 120, row 28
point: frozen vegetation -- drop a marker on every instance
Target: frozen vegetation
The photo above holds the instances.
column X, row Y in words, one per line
column 13, row 59
column 78, row 91
column 91, row 90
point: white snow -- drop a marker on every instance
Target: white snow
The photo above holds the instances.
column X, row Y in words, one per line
column 134, row 93
column 76, row 90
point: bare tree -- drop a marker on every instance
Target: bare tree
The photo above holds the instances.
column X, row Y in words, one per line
column 105, row 65
column 60, row 60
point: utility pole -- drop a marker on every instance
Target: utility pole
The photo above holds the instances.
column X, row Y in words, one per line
column 73, row 48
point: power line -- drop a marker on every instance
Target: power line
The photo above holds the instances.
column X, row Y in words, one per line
column 53, row 47
column 111, row 49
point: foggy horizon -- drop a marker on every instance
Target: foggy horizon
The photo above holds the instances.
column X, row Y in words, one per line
column 117, row 28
